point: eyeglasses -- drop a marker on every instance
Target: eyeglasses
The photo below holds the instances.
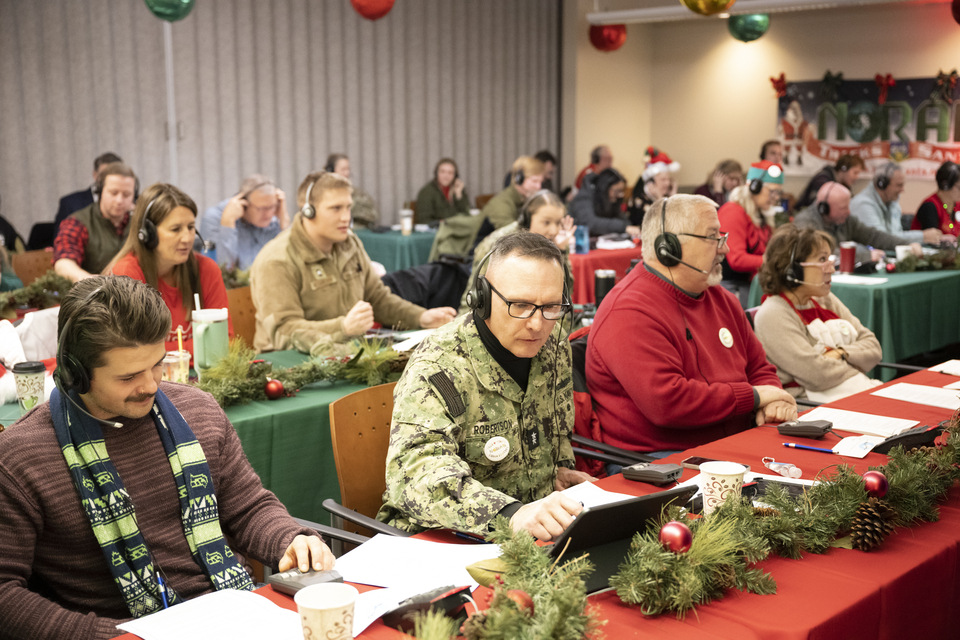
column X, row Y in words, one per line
column 721, row 240
column 825, row 266
column 524, row 310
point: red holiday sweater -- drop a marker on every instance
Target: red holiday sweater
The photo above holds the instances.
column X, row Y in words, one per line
column 747, row 241
column 655, row 390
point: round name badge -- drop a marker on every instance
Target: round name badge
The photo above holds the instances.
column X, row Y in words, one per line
column 496, row 448
column 726, row 338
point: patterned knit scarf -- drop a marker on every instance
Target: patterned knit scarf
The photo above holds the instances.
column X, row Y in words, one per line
column 111, row 513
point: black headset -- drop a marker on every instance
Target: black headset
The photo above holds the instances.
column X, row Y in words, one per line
column 882, row 181
column 667, row 244
column 524, row 217
column 307, row 210
column 595, row 156
column 519, row 177
column 71, row 375
column 950, row 178
column 823, row 207
column 756, row 185
column 147, row 233
column 479, row 296
column 329, row 166
column 794, row 271
column 842, row 166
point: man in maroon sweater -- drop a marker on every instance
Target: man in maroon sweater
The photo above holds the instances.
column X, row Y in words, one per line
column 671, row 361
column 55, row 581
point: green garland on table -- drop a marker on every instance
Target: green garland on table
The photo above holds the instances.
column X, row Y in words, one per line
column 234, row 277
column 43, row 293
column 939, row 261
column 534, row 598
column 239, row 379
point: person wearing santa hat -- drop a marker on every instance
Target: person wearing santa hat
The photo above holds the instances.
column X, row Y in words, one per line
column 742, row 216
column 654, row 183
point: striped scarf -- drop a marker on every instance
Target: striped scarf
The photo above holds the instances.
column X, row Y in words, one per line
column 111, row 512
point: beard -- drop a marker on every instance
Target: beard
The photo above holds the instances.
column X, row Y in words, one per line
column 716, row 275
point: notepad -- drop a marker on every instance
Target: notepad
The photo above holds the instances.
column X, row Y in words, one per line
column 921, row 394
column 843, row 278
column 863, row 423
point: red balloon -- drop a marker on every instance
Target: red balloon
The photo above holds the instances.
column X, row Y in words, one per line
column 676, row 537
column 876, row 484
column 372, row 9
column 274, row 389
column 608, row 37
column 955, row 9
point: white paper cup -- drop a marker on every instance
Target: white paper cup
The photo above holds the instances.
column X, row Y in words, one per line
column 406, row 221
column 326, row 610
column 903, row 250
column 29, row 379
column 720, row 481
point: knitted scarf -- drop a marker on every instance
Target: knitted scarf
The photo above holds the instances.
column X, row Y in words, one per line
column 111, row 512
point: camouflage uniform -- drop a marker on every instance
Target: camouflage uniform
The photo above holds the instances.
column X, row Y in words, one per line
column 438, row 474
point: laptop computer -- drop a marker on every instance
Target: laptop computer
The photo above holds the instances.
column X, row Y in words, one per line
column 605, row 532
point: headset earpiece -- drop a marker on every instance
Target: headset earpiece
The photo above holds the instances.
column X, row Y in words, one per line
column 70, row 375
column 756, row 186
column 307, row 211
column 519, row 177
column 595, row 156
column 329, row 167
column 667, row 245
column 478, row 297
column 794, row 272
column 882, row 182
column 823, row 207
column 147, row 233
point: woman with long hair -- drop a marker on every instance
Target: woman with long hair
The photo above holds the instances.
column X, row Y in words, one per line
column 159, row 252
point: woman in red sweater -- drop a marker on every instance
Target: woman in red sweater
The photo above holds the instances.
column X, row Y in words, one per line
column 742, row 216
column 942, row 209
column 159, row 251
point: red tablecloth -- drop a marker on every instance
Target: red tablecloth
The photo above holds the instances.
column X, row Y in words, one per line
column 584, row 264
column 908, row 588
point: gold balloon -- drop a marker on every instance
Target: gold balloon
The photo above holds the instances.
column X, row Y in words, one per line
column 707, row 7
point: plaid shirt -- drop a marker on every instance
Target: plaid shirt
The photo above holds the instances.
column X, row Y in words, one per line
column 72, row 237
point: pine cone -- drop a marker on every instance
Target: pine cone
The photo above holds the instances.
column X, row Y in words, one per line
column 474, row 627
column 726, row 576
column 872, row 522
column 765, row 512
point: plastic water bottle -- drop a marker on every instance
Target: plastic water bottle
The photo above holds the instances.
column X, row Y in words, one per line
column 582, row 239
column 785, row 469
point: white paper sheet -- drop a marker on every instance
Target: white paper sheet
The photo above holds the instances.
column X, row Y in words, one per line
column 413, row 339
column 371, row 605
column 389, row 561
column 921, row 394
column 221, row 615
column 857, row 446
column 590, row 495
column 862, row 423
column 951, row 367
column 843, row 278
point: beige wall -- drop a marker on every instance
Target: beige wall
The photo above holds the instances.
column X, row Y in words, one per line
column 607, row 95
column 691, row 89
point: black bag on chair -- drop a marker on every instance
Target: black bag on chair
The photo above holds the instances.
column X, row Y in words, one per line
column 436, row 284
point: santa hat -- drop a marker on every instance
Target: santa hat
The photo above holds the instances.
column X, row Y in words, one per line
column 658, row 162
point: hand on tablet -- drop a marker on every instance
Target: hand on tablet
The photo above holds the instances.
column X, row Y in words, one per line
column 546, row 519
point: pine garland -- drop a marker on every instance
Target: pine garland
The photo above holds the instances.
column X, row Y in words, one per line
column 939, row 261
column 239, row 379
column 43, row 293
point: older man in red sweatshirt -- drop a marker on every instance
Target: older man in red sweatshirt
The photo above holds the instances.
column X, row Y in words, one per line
column 671, row 361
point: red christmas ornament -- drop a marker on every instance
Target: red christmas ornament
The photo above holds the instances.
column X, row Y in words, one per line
column 955, row 9
column 372, row 9
column 274, row 389
column 779, row 85
column 676, row 537
column 522, row 598
column 608, row 37
column 890, row 267
column 876, row 484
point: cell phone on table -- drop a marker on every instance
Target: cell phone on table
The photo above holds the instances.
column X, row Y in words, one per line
column 694, row 462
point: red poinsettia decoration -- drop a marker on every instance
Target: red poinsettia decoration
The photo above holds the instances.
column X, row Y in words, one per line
column 884, row 84
column 779, row 85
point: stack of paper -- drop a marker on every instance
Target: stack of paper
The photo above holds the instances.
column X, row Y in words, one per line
column 921, row 394
column 863, row 423
column 844, row 278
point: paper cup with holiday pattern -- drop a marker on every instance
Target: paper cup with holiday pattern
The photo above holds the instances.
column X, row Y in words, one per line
column 29, row 378
column 720, row 481
column 326, row 610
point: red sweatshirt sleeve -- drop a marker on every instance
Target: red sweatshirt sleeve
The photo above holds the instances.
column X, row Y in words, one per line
column 743, row 234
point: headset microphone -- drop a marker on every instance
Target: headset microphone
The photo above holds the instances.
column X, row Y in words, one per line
column 109, row 423
column 664, row 252
column 208, row 245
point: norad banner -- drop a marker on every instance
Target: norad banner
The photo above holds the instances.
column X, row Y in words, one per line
column 916, row 123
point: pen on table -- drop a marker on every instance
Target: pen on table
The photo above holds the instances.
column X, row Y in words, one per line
column 794, row 445
column 163, row 590
column 470, row 537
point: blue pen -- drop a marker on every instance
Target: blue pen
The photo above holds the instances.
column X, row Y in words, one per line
column 470, row 537
column 163, row 590
column 793, row 445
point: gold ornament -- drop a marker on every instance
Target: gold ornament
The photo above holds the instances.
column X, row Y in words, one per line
column 707, row 7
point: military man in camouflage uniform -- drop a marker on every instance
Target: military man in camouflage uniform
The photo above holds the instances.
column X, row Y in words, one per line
column 483, row 413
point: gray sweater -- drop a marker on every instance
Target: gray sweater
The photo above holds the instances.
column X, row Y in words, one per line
column 851, row 230
column 792, row 349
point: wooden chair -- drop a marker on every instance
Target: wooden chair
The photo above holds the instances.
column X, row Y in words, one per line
column 30, row 265
column 484, row 199
column 243, row 313
column 360, row 432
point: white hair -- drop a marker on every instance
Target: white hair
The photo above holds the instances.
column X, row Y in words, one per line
column 684, row 214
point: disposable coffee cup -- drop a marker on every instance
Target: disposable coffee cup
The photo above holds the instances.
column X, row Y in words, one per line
column 29, row 378
column 406, row 221
column 603, row 281
column 326, row 610
column 211, row 337
column 176, row 366
column 903, row 250
column 848, row 257
column 720, row 481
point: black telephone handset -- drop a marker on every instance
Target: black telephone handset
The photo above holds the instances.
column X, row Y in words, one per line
column 916, row 437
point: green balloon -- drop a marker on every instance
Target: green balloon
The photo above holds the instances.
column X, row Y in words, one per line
column 747, row 28
column 170, row 10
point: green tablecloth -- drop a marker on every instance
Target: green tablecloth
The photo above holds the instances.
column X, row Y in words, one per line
column 287, row 441
column 396, row 251
column 911, row 313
